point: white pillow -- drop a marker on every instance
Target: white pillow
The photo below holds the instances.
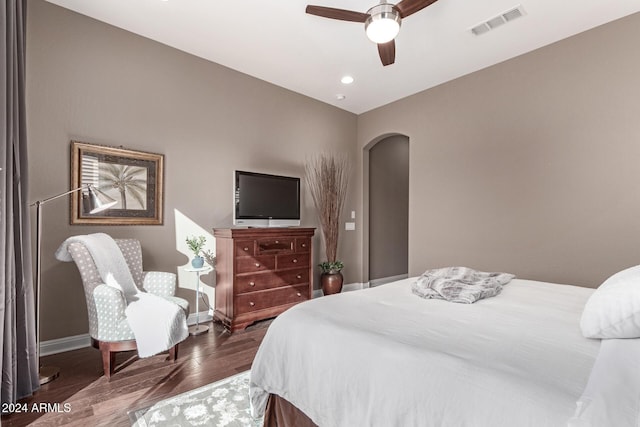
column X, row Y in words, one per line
column 613, row 310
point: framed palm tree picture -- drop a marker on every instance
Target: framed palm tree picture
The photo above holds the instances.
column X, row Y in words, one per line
column 133, row 178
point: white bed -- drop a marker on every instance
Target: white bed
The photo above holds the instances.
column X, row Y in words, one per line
column 385, row 357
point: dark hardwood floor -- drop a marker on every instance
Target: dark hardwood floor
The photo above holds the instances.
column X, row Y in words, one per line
column 94, row 401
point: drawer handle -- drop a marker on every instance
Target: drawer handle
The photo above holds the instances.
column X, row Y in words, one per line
column 294, row 260
column 251, row 303
column 252, row 283
column 246, row 249
column 277, row 241
column 299, row 294
column 298, row 276
column 257, row 265
column 304, row 245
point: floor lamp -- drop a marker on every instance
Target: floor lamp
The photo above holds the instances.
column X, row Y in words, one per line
column 95, row 201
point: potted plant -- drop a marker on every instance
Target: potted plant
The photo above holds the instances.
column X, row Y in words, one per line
column 327, row 178
column 196, row 244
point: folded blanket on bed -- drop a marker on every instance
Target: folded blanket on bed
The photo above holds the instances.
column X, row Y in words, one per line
column 460, row 284
column 156, row 323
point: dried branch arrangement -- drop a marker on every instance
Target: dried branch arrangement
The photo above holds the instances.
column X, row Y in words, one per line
column 327, row 178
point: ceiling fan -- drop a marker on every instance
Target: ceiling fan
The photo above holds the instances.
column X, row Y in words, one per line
column 381, row 22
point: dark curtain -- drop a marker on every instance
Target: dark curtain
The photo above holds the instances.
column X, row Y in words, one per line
column 19, row 362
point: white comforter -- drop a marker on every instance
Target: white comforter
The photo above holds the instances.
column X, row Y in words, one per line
column 384, row 357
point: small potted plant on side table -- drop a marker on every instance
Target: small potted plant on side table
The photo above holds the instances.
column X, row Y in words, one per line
column 196, row 244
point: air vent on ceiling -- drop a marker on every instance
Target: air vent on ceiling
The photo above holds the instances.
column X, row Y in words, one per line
column 496, row 21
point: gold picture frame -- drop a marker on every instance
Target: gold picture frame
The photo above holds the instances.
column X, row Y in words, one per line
column 135, row 179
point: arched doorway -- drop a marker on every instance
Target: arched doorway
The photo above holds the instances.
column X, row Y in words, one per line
column 387, row 207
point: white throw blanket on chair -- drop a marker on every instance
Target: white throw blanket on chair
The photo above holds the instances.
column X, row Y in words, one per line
column 157, row 324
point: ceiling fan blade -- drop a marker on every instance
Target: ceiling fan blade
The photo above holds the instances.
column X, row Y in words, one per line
column 409, row 7
column 341, row 14
column 387, row 52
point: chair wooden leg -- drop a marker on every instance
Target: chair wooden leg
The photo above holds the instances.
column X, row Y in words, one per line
column 108, row 361
column 173, row 353
column 108, row 350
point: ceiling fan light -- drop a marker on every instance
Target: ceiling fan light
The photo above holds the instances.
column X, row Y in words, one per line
column 383, row 23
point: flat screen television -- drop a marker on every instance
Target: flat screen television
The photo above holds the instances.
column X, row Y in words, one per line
column 262, row 200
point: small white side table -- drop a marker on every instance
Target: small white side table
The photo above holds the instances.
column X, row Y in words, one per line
column 198, row 329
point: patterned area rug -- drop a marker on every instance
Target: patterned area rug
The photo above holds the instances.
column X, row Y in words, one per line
column 222, row 404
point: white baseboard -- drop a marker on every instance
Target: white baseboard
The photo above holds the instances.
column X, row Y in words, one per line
column 377, row 282
column 345, row 288
column 203, row 316
column 60, row 345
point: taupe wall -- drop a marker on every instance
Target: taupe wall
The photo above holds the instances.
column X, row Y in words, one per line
column 92, row 82
column 531, row 166
column 388, row 207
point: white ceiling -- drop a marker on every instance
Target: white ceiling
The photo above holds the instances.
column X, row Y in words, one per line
column 278, row 42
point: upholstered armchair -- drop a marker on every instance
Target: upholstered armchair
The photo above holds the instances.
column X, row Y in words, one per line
column 108, row 326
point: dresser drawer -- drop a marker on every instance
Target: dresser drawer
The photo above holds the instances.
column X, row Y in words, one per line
column 292, row 261
column 255, row 301
column 269, row 280
column 253, row 264
column 282, row 245
column 244, row 248
column 303, row 244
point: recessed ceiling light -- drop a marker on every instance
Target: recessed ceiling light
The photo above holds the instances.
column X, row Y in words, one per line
column 347, row 80
column 340, row 97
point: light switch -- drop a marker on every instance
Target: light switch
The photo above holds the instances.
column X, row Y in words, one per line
column 349, row 226
column 353, row 214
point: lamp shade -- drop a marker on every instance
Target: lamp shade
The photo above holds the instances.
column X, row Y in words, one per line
column 383, row 23
column 96, row 201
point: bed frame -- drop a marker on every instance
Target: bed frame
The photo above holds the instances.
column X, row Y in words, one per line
column 281, row 413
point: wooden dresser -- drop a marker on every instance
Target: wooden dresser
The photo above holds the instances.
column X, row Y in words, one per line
column 260, row 272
